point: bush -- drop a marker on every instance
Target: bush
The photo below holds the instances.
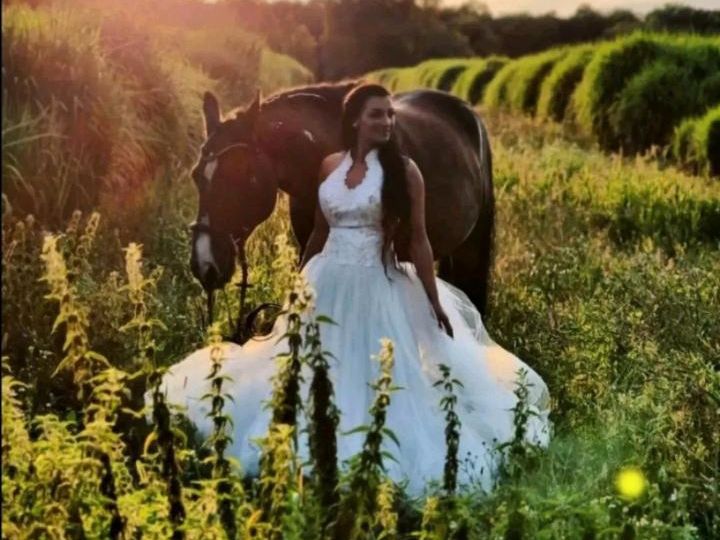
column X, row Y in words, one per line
column 60, row 101
column 560, row 83
column 94, row 112
column 682, row 142
column 654, row 101
column 524, row 85
column 613, row 64
column 404, row 79
column 696, row 143
column 441, row 74
column 382, row 76
column 636, row 117
column 708, row 137
column 281, row 71
column 471, row 83
column 427, row 74
column 496, row 94
column 617, row 63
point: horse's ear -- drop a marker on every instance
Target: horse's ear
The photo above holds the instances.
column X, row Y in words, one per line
column 211, row 110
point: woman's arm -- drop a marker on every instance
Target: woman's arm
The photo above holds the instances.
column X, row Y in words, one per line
column 420, row 249
column 319, row 234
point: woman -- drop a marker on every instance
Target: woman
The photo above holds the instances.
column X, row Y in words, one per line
column 363, row 193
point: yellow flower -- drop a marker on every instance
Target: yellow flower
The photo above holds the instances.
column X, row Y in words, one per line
column 630, row 482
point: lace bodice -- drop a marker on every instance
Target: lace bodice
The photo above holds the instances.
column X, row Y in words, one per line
column 354, row 214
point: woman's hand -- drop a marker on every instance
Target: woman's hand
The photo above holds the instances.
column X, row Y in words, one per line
column 442, row 318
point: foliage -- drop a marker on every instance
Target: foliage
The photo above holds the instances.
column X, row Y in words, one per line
column 679, row 18
column 358, row 514
column 324, row 420
column 634, row 117
column 524, row 86
column 496, row 94
column 104, row 116
column 452, row 429
column 622, row 93
column 606, row 282
column 102, row 105
column 471, row 83
column 441, row 73
column 629, row 316
column 364, row 36
column 557, row 88
column 696, row 143
column 614, row 80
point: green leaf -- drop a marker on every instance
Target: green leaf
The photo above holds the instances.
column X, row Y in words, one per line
column 387, row 431
column 359, row 429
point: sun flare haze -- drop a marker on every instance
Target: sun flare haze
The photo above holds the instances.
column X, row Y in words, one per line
column 303, row 269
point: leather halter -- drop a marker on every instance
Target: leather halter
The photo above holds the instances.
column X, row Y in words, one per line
column 200, row 226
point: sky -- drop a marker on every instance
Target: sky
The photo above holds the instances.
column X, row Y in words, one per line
column 565, row 8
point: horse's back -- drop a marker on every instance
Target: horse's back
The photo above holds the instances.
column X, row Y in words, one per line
column 442, row 134
column 444, row 107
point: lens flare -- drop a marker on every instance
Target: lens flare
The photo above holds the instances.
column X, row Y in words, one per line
column 630, row 482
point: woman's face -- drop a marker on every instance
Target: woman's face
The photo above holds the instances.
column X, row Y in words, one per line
column 376, row 121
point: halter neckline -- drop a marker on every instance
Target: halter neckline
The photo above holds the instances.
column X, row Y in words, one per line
column 371, row 154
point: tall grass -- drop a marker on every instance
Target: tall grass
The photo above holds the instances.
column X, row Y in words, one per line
column 621, row 326
column 101, row 106
column 605, row 282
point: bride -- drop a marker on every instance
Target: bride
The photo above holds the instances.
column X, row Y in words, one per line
column 349, row 262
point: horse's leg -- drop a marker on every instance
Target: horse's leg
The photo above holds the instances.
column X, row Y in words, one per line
column 468, row 268
column 302, row 221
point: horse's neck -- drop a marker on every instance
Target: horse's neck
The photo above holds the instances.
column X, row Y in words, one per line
column 299, row 190
column 298, row 170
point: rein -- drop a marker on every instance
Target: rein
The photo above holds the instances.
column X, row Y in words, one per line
column 212, row 157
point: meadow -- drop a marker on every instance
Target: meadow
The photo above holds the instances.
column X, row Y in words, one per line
column 606, row 280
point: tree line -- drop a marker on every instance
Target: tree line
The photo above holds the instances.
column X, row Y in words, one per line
column 346, row 38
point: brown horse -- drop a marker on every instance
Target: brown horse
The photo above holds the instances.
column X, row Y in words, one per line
column 279, row 143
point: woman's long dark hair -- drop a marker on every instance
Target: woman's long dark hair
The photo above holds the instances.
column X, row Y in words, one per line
column 395, row 198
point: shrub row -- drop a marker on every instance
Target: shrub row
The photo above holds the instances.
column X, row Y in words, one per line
column 637, row 89
column 629, row 94
column 696, row 142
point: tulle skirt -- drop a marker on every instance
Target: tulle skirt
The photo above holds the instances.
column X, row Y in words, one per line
column 367, row 306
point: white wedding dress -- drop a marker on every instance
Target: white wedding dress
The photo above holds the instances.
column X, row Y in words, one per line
column 351, row 287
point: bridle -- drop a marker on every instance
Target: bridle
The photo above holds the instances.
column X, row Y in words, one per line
column 213, row 156
column 203, row 226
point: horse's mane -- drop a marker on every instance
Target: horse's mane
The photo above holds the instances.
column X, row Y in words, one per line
column 333, row 92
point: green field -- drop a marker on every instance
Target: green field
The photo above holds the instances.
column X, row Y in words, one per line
column 606, row 280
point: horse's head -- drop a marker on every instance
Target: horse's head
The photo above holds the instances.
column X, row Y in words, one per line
column 236, row 192
column 243, row 162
